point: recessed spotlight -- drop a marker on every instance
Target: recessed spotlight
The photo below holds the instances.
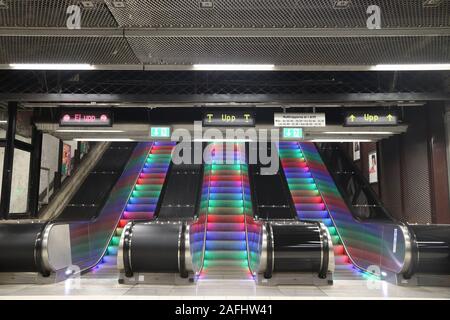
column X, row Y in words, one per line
column 431, row 3
column 118, row 4
column 206, row 4
column 341, row 4
column 3, row 4
column 87, row 4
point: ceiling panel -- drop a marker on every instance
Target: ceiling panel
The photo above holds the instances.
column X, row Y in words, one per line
column 91, row 50
column 292, row 51
column 53, row 13
column 277, row 13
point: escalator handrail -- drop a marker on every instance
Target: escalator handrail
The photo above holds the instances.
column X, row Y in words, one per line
column 205, row 230
column 51, row 224
column 330, row 215
column 408, row 246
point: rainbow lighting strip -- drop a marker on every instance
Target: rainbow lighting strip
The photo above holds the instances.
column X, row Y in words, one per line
column 144, row 198
column 227, row 199
column 307, row 198
column 368, row 243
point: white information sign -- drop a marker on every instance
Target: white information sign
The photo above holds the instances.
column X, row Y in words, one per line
column 299, row 120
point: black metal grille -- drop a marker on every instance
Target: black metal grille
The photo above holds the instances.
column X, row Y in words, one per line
column 182, row 83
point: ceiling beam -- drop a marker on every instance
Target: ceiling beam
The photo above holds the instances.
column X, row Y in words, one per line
column 225, row 32
column 229, row 98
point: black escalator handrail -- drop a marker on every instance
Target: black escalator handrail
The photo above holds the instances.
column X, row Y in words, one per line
column 331, row 216
column 358, row 178
column 92, row 221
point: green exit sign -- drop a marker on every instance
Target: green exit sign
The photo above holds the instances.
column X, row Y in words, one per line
column 160, row 132
column 292, row 133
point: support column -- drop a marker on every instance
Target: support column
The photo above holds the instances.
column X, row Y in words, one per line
column 35, row 172
column 437, row 151
column 8, row 160
column 58, row 174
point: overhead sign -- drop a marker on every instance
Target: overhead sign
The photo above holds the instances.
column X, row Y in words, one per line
column 292, row 133
column 160, row 132
column 85, row 118
column 360, row 119
column 228, row 119
column 299, row 120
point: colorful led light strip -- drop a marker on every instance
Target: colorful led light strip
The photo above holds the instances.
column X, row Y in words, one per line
column 226, row 201
column 146, row 192
column 307, row 198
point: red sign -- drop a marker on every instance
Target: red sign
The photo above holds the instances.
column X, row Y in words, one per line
column 78, row 118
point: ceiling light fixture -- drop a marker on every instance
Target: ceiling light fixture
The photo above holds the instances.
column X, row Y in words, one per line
column 223, row 140
column 50, row 66
column 89, row 131
column 359, row 132
column 234, row 67
column 105, row 139
column 341, row 140
column 411, row 67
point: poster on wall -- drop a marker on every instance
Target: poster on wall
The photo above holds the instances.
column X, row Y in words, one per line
column 66, row 157
column 373, row 167
column 356, row 151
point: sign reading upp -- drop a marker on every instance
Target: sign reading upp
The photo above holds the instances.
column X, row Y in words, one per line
column 73, row 21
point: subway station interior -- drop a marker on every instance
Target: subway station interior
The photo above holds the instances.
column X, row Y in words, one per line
column 224, row 149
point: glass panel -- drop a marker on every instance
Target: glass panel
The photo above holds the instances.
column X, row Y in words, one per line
column 2, row 155
column 19, row 188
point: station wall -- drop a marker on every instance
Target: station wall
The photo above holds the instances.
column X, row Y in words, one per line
column 412, row 167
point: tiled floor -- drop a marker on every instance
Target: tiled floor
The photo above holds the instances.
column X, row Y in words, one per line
column 91, row 287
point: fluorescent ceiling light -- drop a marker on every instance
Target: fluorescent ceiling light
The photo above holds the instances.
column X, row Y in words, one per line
column 50, row 66
column 411, row 67
column 3, row 121
column 223, row 140
column 105, row 139
column 235, row 67
column 87, row 130
column 359, row 132
column 341, row 140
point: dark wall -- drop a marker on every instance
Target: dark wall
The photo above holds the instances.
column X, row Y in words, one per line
column 412, row 168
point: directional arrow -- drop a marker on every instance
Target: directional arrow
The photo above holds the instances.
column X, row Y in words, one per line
column 390, row 117
column 352, row 118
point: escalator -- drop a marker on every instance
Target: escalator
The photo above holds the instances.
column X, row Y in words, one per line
column 225, row 242
column 125, row 184
column 143, row 201
column 227, row 204
column 407, row 254
column 307, row 198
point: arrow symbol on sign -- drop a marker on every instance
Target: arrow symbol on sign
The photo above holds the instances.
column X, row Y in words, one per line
column 390, row 117
column 352, row 118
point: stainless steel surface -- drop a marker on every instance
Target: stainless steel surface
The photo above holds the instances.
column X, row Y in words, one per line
column 56, row 248
column 326, row 233
column 408, row 248
column 120, row 253
column 263, row 259
column 187, row 252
